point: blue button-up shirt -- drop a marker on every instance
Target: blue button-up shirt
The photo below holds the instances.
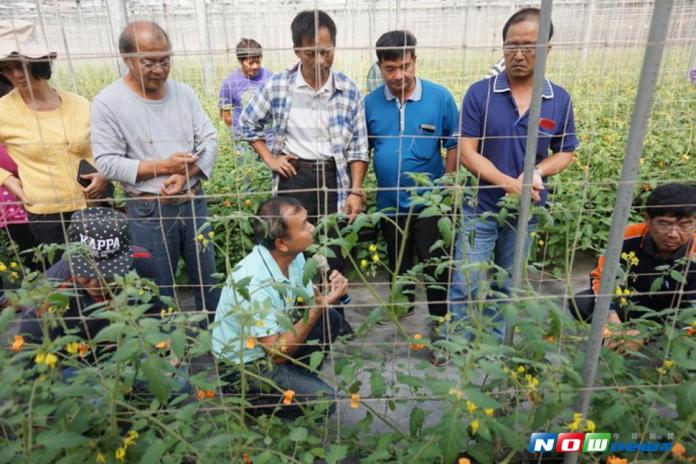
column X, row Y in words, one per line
column 257, row 301
column 490, row 114
column 270, row 106
column 408, row 138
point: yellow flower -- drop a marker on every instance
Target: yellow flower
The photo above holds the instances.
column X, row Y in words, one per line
column 3, row 268
column 72, row 348
column 375, row 258
column 470, row 407
column 13, row 265
column 288, row 395
column 120, row 454
column 355, row 400
column 372, row 248
column 618, row 291
column 577, row 422
column 250, row 343
column 540, row 242
column 101, row 459
column 668, row 364
column 299, row 300
column 40, row 358
column 51, row 360
column 163, row 345
column 488, row 411
column 685, row 157
column 364, row 263
column 520, row 369
column 14, row 276
column 532, row 381
column 17, row 343
column 474, row 426
column 200, row 237
column 247, row 202
column 211, row 234
column 130, row 438
column 589, row 426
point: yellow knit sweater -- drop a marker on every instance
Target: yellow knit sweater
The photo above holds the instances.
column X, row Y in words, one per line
column 47, row 147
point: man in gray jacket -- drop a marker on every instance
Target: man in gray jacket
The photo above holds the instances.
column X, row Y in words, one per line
column 151, row 134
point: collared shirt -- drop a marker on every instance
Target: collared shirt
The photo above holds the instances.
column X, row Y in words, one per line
column 258, row 301
column 408, row 138
column 489, row 113
column 271, row 107
column 47, row 147
column 644, row 272
column 308, row 123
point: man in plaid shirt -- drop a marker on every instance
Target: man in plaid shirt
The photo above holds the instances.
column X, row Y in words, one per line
column 319, row 152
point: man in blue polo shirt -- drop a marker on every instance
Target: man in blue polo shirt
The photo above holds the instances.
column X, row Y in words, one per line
column 409, row 121
column 494, row 121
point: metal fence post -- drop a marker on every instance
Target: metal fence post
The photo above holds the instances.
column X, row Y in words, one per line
column 659, row 26
column 530, row 152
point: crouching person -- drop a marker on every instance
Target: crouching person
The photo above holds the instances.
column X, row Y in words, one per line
column 653, row 253
column 270, row 320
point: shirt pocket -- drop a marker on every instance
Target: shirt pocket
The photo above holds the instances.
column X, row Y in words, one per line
column 425, row 142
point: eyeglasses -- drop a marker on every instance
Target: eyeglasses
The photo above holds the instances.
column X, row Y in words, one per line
column 683, row 227
column 149, row 64
column 525, row 49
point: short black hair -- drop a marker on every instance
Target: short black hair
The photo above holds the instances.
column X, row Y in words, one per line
column 126, row 41
column 393, row 45
column 674, row 199
column 525, row 14
column 248, row 48
column 307, row 23
column 270, row 223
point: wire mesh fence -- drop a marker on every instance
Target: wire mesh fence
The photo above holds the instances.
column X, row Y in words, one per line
column 122, row 369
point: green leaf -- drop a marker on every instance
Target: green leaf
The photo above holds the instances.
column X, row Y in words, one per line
column 127, row 350
column 430, row 211
column 110, row 333
column 686, row 399
column 677, row 276
column 415, row 422
column 178, row 343
column 310, row 270
column 298, row 434
column 155, row 379
column 480, row 399
column 154, row 452
column 377, row 384
column 452, row 436
column 336, row 453
column 6, row 317
column 60, row 440
column 444, row 225
column 315, row 359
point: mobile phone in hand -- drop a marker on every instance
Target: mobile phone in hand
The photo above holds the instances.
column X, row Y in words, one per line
column 83, row 169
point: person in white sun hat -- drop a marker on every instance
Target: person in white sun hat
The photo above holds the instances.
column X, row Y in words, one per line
column 46, row 132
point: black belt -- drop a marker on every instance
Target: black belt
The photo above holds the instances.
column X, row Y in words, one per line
column 326, row 165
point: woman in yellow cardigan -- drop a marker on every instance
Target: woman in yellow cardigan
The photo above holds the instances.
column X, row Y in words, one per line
column 46, row 132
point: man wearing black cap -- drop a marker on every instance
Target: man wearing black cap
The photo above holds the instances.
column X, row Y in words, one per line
column 106, row 251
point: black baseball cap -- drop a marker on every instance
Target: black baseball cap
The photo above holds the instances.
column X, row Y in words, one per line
column 107, row 247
